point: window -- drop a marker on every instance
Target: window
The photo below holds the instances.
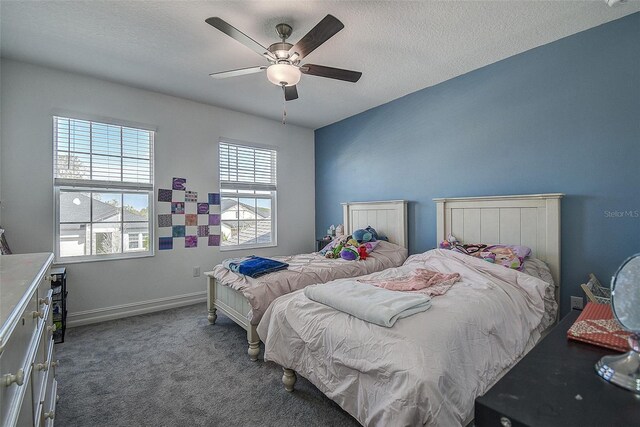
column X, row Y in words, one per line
column 103, row 182
column 248, row 195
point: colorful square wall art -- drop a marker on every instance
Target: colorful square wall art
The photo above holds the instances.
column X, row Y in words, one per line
column 179, row 184
column 214, row 219
column 214, row 198
column 191, row 196
column 214, row 240
column 203, row 208
column 191, row 219
column 164, row 195
column 165, row 243
column 164, row 220
column 191, row 241
column 203, row 230
column 178, row 231
column 177, row 207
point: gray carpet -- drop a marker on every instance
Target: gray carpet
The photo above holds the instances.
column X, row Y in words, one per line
column 174, row 369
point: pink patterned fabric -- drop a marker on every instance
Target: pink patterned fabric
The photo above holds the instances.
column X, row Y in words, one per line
column 422, row 281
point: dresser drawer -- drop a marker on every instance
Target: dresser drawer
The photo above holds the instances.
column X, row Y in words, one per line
column 43, row 367
column 16, row 364
column 44, row 405
column 48, row 405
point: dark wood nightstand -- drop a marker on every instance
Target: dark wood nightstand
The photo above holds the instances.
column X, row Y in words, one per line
column 556, row 385
column 321, row 243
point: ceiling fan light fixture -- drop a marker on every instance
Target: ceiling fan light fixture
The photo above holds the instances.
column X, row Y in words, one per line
column 283, row 74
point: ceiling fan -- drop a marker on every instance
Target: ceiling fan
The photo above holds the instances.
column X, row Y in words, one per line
column 284, row 67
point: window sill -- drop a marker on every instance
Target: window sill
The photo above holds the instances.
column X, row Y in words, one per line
column 244, row 247
column 72, row 260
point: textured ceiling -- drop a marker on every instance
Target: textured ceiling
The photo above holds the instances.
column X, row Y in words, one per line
column 400, row 46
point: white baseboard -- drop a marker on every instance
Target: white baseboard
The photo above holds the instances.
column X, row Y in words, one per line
column 133, row 309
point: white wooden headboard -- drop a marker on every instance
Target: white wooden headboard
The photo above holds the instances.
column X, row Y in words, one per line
column 387, row 217
column 529, row 220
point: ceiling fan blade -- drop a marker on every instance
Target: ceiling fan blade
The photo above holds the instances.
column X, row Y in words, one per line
column 238, row 72
column 331, row 73
column 290, row 93
column 238, row 35
column 319, row 34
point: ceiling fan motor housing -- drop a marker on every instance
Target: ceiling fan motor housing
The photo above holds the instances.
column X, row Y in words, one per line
column 281, row 50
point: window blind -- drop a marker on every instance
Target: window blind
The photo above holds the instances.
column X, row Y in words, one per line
column 87, row 153
column 247, row 168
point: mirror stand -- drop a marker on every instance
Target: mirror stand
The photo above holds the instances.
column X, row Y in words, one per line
column 623, row 370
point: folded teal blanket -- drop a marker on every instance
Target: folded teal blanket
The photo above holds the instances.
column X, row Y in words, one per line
column 369, row 303
column 254, row 266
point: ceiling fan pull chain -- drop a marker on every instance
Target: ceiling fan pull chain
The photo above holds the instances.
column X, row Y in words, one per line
column 284, row 105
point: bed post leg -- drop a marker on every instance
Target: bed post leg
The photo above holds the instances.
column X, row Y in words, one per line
column 289, row 379
column 211, row 296
column 254, row 342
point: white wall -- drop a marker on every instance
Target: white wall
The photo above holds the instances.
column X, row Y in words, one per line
column 185, row 146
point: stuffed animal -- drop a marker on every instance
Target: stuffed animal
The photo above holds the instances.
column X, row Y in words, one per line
column 353, row 242
column 333, row 251
column 362, row 251
column 362, row 235
column 374, row 233
column 349, row 253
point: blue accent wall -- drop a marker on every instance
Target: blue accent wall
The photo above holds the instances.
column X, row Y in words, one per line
column 563, row 117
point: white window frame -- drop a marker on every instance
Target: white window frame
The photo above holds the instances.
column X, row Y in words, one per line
column 62, row 184
column 273, row 197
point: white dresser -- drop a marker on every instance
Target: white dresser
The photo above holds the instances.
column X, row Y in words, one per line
column 27, row 361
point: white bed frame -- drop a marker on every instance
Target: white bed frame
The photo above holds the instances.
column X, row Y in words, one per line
column 387, row 217
column 531, row 220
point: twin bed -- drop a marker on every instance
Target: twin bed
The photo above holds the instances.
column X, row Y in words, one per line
column 429, row 368
column 244, row 300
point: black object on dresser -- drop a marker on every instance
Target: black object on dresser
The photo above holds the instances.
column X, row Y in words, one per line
column 556, row 385
column 59, row 302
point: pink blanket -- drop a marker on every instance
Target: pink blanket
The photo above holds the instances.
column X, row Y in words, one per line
column 421, row 280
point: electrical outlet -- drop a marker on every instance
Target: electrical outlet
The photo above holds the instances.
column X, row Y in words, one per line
column 196, row 273
column 577, row 303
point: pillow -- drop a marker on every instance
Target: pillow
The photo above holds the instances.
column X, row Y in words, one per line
column 331, row 245
column 369, row 246
column 510, row 256
column 326, row 247
column 521, row 251
column 332, row 250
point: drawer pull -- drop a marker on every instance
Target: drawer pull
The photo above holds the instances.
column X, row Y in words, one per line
column 18, row 378
column 55, row 364
column 51, row 415
column 42, row 366
column 44, row 301
column 52, row 328
column 38, row 314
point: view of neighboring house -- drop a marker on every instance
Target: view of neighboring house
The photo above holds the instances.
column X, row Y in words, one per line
column 243, row 223
column 80, row 221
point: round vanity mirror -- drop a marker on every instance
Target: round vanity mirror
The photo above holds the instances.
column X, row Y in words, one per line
column 624, row 370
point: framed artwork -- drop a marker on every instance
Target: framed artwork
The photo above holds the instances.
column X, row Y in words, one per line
column 179, row 184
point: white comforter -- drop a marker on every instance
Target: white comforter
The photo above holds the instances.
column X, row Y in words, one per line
column 428, row 368
column 305, row 270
